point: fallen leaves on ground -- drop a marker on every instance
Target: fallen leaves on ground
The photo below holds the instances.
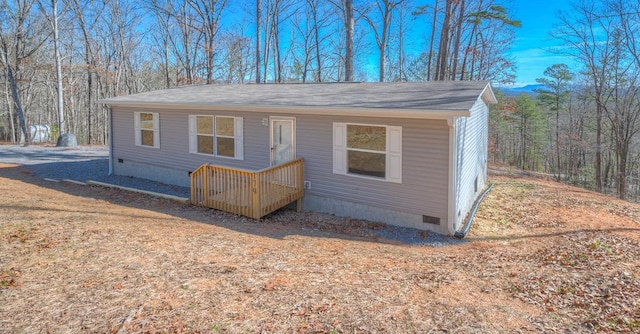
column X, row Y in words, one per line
column 541, row 257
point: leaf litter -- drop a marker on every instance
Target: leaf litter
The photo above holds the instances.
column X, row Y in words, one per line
column 541, row 256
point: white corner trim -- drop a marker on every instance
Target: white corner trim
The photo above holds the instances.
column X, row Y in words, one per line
column 451, row 121
column 110, row 133
column 451, row 207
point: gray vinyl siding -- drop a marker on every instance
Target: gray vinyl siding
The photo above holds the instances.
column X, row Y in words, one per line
column 425, row 143
column 471, row 150
column 174, row 141
column 424, row 166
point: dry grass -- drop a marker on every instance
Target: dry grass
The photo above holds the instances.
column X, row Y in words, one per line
column 541, row 257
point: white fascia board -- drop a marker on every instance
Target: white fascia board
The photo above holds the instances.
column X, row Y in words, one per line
column 303, row 110
column 488, row 96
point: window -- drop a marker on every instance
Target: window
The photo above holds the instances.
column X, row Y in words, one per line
column 147, row 129
column 216, row 135
column 372, row 151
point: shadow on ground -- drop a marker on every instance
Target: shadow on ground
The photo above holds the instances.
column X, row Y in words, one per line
column 279, row 225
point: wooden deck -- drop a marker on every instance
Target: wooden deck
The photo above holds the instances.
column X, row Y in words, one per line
column 249, row 193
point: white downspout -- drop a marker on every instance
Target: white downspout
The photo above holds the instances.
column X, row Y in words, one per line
column 452, row 207
column 110, row 134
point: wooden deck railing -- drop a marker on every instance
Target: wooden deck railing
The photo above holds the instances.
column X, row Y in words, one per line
column 249, row 193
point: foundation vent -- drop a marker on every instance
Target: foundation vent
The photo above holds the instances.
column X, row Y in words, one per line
column 430, row 220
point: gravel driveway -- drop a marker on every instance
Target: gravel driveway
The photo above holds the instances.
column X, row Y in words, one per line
column 81, row 163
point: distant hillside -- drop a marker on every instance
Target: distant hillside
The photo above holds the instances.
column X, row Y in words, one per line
column 514, row 91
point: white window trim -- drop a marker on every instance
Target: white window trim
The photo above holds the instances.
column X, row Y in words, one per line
column 238, row 137
column 138, row 129
column 393, row 153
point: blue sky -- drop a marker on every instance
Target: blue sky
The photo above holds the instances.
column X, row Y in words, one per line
column 533, row 40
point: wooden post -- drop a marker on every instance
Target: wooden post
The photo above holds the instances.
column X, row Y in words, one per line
column 193, row 189
column 255, row 195
column 205, row 186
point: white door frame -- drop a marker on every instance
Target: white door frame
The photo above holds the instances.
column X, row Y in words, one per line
column 293, row 136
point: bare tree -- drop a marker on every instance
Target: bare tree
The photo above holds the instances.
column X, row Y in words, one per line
column 163, row 12
column 81, row 9
column 8, row 100
column 235, row 50
column 348, row 25
column 258, row 33
column 400, row 35
column 579, row 30
column 208, row 14
column 309, row 22
column 21, row 36
column 348, row 28
column 457, row 39
column 52, row 17
column 381, row 30
column 420, row 10
column 184, row 44
column 305, row 48
column 443, row 47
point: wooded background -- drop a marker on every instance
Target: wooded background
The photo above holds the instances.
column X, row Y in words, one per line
column 582, row 124
column 90, row 50
column 59, row 57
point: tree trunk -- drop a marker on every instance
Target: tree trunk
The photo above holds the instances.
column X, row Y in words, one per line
column 267, row 45
column 443, row 48
column 88, row 60
column 167, row 74
column 382, row 59
column 558, row 166
column 277, row 68
column 62, row 125
column 432, row 39
column 401, row 45
column 348, row 25
column 598, row 162
column 9, row 108
column 89, row 100
column 18, row 104
column 316, row 30
column 469, row 48
column 258, row 15
column 622, row 171
column 456, row 44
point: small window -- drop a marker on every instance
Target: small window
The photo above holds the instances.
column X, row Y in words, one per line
column 373, row 151
column 216, row 135
column 147, row 130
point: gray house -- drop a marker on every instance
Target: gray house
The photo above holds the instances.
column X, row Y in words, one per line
column 408, row 154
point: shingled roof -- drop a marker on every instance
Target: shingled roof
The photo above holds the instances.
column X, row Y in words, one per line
column 455, row 97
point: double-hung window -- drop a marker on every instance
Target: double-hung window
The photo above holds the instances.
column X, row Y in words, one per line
column 366, row 150
column 219, row 136
column 147, row 129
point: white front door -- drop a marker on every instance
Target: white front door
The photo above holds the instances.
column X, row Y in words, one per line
column 283, row 147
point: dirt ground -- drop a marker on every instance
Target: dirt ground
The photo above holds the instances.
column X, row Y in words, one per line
column 541, row 257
